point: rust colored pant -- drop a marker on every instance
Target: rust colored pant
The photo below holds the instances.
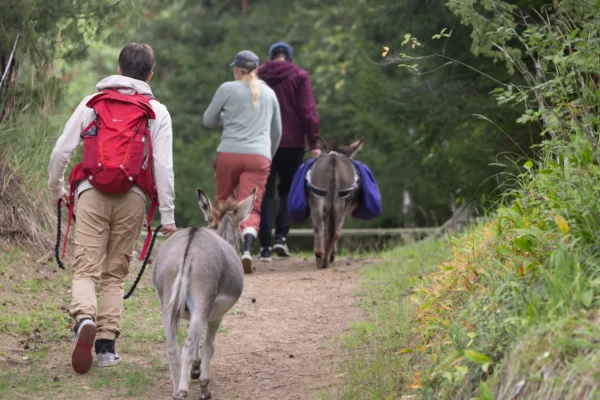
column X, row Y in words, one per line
column 237, row 175
column 106, row 230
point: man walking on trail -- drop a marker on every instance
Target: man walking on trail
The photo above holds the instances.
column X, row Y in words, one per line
column 108, row 224
column 300, row 127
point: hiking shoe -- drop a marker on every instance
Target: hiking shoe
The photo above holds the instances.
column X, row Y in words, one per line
column 247, row 252
column 265, row 254
column 281, row 248
column 81, row 357
column 247, row 262
column 106, row 356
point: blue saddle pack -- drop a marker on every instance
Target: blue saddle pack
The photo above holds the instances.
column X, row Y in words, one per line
column 367, row 197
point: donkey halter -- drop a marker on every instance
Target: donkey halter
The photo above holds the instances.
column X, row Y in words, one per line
column 342, row 193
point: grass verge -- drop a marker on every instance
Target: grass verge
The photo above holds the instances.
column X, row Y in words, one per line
column 512, row 313
column 378, row 367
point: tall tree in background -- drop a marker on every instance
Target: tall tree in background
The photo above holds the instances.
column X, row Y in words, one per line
column 58, row 29
column 421, row 134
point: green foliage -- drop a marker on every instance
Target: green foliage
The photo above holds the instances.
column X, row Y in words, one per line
column 420, row 133
column 514, row 313
column 62, row 28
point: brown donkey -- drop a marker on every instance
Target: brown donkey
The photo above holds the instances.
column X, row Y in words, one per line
column 333, row 183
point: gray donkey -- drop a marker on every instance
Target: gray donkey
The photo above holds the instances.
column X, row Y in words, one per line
column 333, row 183
column 198, row 276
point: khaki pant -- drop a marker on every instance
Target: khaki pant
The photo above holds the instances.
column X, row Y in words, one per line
column 106, row 230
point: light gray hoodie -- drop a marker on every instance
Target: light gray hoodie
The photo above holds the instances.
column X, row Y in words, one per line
column 162, row 142
column 246, row 130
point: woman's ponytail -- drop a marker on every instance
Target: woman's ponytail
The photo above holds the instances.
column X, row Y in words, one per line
column 252, row 79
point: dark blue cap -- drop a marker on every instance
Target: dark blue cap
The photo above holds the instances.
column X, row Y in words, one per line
column 245, row 59
column 281, row 47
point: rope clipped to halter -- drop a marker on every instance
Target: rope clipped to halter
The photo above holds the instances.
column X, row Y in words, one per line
column 137, row 280
column 58, row 230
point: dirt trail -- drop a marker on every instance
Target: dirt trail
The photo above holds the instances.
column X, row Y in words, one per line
column 280, row 341
column 284, row 345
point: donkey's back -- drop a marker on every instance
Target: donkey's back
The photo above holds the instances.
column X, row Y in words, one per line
column 198, row 268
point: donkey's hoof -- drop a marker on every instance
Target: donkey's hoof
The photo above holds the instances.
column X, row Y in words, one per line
column 205, row 395
column 181, row 395
column 320, row 261
column 195, row 374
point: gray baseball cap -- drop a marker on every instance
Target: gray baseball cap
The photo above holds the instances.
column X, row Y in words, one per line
column 246, row 59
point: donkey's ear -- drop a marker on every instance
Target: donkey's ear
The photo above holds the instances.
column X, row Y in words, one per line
column 322, row 144
column 355, row 147
column 204, row 203
column 245, row 207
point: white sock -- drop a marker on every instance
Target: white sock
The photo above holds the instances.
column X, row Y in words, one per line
column 250, row 230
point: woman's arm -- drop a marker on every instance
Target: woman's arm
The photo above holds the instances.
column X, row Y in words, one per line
column 213, row 115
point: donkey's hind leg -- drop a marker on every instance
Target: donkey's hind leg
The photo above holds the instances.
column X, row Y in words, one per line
column 316, row 206
column 195, row 373
column 208, row 349
column 172, row 350
column 190, row 352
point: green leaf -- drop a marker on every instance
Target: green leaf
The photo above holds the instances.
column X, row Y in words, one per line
column 587, row 298
column 406, row 39
column 517, row 207
column 428, row 304
column 485, row 391
column 528, row 165
column 477, row 357
column 523, row 244
column 503, row 250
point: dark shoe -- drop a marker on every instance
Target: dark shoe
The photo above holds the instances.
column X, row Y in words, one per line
column 247, row 253
column 265, row 254
column 81, row 357
column 106, row 355
column 281, row 248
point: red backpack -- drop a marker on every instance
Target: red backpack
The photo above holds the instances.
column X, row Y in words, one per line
column 114, row 146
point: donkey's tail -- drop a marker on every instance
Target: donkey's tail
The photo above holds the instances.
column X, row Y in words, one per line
column 333, row 194
column 179, row 293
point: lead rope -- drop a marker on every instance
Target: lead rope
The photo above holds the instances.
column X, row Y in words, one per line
column 137, row 280
column 57, row 248
column 58, row 230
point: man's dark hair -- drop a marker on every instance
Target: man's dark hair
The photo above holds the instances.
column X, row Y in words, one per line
column 136, row 61
column 281, row 54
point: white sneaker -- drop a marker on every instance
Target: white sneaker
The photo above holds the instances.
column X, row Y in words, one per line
column 108, row 359
column 247, row 262
column 81, row 357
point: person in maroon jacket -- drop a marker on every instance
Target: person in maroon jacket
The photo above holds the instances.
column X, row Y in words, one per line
column 300, row 129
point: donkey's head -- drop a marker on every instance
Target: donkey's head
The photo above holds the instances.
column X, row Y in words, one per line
column 349, row 150
column 225, row 217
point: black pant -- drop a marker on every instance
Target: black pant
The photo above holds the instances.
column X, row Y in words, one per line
column 285, row 163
